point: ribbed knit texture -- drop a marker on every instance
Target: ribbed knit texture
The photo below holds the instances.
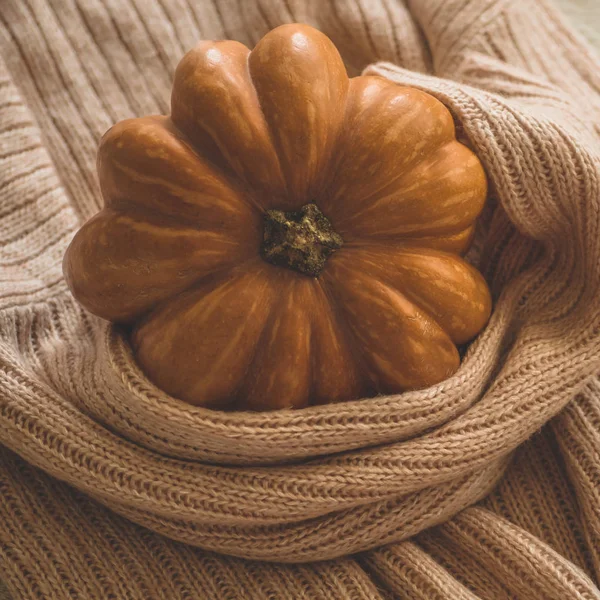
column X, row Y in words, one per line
column 485, row 486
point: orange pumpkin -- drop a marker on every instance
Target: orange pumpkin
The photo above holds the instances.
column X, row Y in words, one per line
column 286, row 236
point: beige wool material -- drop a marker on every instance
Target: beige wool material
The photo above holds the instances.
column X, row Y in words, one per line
column 486, row 486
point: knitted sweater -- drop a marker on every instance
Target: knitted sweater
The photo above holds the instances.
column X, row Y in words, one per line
column 486, row 486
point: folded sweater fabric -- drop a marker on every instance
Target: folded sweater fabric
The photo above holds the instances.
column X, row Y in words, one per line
column 486, row 486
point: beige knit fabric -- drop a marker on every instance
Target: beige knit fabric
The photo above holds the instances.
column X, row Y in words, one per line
column 111, row 489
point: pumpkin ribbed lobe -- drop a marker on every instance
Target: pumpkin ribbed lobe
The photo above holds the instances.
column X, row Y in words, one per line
column 300, row 240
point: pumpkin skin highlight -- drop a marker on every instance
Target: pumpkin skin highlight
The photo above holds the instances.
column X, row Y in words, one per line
column 177, row 251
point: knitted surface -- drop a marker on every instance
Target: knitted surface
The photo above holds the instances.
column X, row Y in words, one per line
column 110, row 488
column 585, row 16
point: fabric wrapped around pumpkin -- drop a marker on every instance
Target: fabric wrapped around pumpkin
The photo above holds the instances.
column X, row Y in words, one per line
column 329, row 481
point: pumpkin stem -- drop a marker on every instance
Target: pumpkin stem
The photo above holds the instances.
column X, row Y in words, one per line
column 300, row 240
